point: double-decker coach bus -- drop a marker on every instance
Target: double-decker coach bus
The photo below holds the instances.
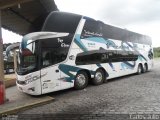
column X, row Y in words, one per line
column 72, row 50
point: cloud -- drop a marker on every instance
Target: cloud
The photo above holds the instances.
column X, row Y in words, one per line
column 118, row 12
column 125, row 12
column 140, row 16
column 10, row 37
column 148, row 28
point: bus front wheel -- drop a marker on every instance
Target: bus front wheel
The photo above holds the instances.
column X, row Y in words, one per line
column 81, row 80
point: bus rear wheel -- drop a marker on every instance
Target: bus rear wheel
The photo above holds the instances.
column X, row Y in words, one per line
column 81, row 80
column 139, row 69
column 99, row 77
column 145, row 68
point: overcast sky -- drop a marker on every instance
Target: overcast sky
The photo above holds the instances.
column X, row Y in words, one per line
column 141, row 16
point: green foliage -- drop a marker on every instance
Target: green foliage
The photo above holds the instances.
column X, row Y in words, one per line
column 156, row 52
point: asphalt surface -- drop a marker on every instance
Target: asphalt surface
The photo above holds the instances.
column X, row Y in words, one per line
column 133, row 94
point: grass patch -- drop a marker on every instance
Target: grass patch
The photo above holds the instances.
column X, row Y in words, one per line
column 156, row 52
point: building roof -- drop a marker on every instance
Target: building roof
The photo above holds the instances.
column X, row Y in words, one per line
column 24, row 16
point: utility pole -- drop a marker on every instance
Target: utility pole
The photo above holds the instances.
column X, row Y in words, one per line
column 2, row 86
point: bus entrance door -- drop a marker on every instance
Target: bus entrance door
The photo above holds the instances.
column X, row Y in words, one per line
column 50, row 79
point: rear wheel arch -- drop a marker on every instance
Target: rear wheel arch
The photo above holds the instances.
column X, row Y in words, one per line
column 105, row 73
column 146, row 67
column 87, row 71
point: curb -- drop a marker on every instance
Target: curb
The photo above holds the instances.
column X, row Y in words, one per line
column 25, row 107
column 10, row 83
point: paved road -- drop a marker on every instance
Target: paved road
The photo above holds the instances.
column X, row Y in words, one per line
column 130, row 94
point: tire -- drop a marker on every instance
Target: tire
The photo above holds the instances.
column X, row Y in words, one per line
column 81, row 80
column 145, row 68
column 139, row 69
column 99, row 77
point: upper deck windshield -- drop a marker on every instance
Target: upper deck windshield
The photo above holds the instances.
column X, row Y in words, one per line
column 61, row 22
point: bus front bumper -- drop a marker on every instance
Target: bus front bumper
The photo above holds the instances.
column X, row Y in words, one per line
column 31, row 88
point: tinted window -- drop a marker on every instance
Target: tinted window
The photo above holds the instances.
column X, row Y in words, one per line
column 54, row 50
column 111, row 32
column 104, row 56
column 91, row 28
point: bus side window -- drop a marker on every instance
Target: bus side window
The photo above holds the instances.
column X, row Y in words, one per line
column 103, row 57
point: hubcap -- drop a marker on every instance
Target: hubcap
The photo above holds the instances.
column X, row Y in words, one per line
column 98, row 76
column 139, row 69
column 145, row 68
column 81, row 79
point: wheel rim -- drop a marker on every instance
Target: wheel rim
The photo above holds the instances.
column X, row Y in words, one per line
column 139, row 69
column 98, row 76
column 81, row 79
column 145, row 68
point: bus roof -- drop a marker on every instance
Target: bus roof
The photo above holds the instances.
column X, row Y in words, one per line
column 117, row 33
column 68, row 23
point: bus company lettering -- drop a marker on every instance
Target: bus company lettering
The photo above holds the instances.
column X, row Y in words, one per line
column 91, row 45
column 30, row 79
column 88, row 33
column 62, row 43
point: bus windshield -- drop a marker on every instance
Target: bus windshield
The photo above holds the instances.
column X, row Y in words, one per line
column 27, row 59
column 45, row 49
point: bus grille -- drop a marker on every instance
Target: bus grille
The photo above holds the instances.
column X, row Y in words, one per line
column 21, row 82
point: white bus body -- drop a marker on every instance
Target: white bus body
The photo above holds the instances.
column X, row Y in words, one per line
column 72, row 49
